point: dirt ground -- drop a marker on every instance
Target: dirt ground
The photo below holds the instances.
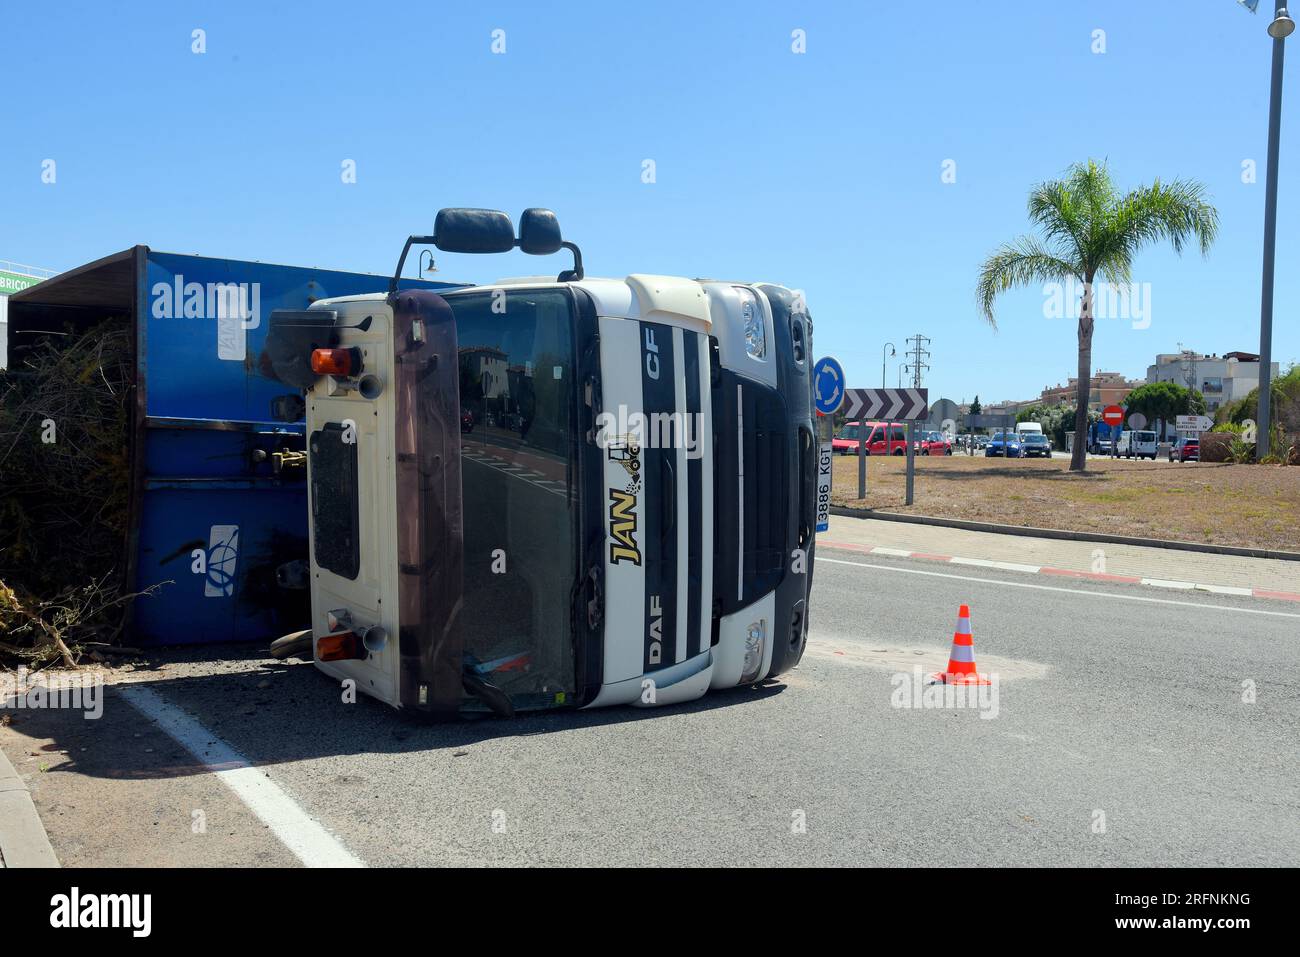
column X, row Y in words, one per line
column 1255, row 506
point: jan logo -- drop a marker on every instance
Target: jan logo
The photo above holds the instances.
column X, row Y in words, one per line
column 622, row 528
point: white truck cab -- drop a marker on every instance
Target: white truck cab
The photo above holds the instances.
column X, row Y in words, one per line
column 562, row 492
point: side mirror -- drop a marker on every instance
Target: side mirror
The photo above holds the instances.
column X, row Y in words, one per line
column 539, row 232
column 473, row 231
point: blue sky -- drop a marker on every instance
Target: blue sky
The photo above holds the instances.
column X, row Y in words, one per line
column 820, row 170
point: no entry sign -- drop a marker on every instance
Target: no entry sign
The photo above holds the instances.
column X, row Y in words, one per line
column 1112, row 415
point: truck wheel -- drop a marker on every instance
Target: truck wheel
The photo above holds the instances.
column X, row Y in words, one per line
column 295, row 643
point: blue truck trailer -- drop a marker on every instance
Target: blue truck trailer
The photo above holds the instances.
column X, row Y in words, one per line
column 218, row 497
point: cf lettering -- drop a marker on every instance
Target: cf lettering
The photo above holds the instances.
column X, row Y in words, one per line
column 651, row 355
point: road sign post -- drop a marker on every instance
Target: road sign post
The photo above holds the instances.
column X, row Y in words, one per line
column 862, row 463
column 890, row 405
column 911, row 462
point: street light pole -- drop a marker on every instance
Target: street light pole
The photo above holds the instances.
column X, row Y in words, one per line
column 1281, row 27
column 883, row 357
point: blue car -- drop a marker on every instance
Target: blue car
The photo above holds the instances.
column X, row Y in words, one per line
column 1005, row 443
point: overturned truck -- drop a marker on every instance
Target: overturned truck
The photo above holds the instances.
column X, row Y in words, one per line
column 554, row 492
column 215, row 499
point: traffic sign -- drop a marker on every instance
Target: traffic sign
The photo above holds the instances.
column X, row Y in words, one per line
column 1112, row 415
column 990, row 420
column 1194, row 423
column 828, row 385
column 1137, row 421
column 893, row 405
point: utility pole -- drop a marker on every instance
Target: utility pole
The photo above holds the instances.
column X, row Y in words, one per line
column 919, row 353
column 1188, row 365
column 1281, row 28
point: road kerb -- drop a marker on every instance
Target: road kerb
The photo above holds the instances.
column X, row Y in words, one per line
column 23, row 841
column 1062, row 572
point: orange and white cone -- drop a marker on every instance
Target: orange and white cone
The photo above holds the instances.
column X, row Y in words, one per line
column 961, row 660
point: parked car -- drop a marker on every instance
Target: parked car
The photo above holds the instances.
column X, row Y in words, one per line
column 981, row 441
column 937, row 443
column 1035, row 444
column 1185, row 449
column 1006, row 444
column 883, row 438
column 1137, row 444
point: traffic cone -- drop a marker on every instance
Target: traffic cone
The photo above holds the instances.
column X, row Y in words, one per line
column 961, row 660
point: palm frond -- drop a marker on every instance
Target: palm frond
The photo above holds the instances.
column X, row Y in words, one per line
column 1177, row 211
column 1053, row 208
column 1093, row 190
column 1021, row 263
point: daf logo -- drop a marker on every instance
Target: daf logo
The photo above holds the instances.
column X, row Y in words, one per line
column 656, row 631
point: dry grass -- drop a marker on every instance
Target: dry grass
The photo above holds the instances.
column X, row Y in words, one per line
column 1255, row 506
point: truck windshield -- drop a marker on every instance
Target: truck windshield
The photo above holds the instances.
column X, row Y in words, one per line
column 518, row 478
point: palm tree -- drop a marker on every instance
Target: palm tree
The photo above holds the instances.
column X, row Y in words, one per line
column 1090, row 232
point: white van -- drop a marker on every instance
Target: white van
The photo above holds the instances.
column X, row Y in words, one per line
column 1027, row 428
column 1141, row 445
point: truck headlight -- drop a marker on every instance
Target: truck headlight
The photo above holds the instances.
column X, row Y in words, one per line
column 755, row 332
column 755, row 638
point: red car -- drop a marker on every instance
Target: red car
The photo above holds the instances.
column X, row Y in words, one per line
column 883, row 438
column 934, row 443
column 1184, row 449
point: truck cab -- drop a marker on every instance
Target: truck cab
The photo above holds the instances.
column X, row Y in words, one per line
column 629, row 520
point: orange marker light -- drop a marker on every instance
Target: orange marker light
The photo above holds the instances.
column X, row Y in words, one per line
column 339, row 362
column 341, row 647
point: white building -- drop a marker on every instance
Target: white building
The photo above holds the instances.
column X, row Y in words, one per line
column 14, row 277
column 1221, row 379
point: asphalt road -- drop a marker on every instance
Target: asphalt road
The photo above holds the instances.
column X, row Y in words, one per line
column 1120, row 738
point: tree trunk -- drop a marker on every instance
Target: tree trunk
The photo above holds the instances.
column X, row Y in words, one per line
column 1078, row 459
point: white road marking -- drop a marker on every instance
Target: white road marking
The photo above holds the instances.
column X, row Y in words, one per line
column 297, row 830
column 522, row 474
column 1226, row 590
column 1163, row 583
column 990, row 563
column 1068, row 591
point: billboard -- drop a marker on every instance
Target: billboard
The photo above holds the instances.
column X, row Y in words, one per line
column 10, row 283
